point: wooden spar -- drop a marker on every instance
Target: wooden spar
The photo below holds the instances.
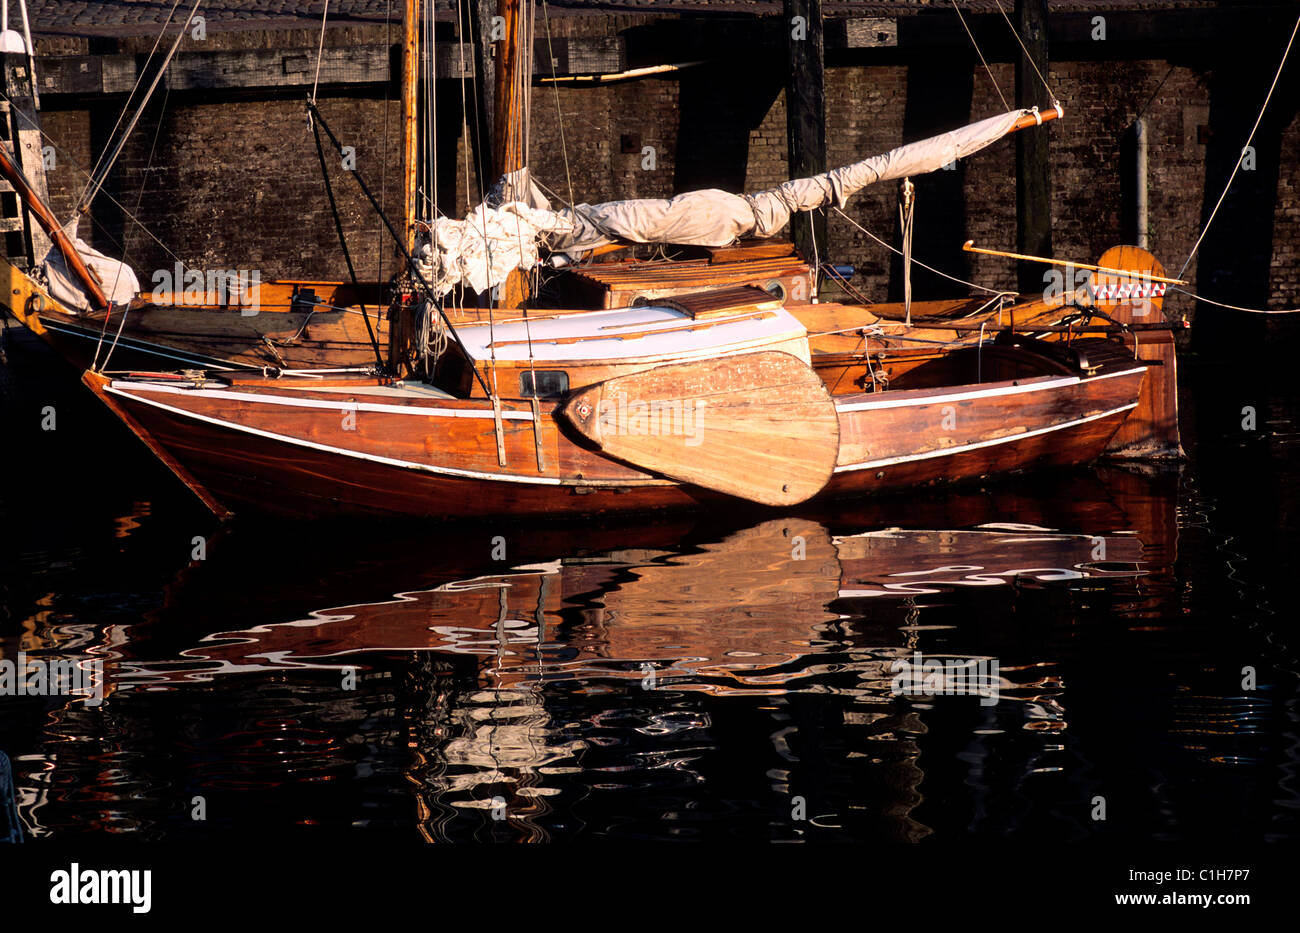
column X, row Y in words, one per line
column 410, row 121
column 970, row 247
column 1056, row 111
column 50, row 224
column 760, row 426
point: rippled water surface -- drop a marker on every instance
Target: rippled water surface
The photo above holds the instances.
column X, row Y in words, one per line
column 688, row 677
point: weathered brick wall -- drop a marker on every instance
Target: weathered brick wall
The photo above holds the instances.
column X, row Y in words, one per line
column 1285, row 291
column 864, row 116
column 234, row 183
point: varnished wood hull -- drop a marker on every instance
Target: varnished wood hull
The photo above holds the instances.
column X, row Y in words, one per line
column 175, row 338
column 281, row 331
column 301, row 449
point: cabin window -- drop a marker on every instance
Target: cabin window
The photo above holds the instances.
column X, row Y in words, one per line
column 775, row 289
column 544, row 383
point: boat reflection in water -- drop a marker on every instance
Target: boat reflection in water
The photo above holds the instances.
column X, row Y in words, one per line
column 501, row 695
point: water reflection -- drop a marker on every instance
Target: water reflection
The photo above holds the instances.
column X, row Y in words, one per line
column 665, row 680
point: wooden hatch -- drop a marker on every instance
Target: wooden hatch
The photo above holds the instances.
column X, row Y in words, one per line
column 722, row 302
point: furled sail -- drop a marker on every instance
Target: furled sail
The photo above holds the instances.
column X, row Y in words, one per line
column 482, row 249
column 117, row 279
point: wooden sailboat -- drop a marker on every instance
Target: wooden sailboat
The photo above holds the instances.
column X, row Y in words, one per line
column 299, row 325
column 697, row 398
column 621, row 411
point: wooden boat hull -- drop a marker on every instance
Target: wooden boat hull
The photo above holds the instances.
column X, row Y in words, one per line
column 302, row 448
column 281, row 334
column 175, row 338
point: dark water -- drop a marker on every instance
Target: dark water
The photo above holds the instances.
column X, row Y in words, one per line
column 702, row 677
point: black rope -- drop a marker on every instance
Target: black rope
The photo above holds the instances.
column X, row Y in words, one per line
column 401, row 245
column 347, row 255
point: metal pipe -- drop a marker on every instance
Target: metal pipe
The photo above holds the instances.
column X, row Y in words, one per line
column 1140, row 168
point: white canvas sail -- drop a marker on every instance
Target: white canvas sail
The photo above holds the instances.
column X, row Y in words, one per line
column 482, row 249
column 116, row 278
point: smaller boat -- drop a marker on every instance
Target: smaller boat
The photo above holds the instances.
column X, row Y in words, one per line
column 670, row 406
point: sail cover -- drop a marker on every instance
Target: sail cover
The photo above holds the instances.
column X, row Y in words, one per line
column 116, row 278
column 482, row 249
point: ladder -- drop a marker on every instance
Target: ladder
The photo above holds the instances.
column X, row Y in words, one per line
column 22, row 241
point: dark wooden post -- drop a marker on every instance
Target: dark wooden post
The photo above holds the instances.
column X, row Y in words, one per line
column 482, row 112
column 805, row 101
column 1033, row 161
column 21, row 113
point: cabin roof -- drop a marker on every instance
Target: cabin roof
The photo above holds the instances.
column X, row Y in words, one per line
column 628, row 334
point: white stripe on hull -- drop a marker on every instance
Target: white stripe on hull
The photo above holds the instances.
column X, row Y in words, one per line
column 962, row 448
column 323, row 403
column 886, row 402
column 358, row 455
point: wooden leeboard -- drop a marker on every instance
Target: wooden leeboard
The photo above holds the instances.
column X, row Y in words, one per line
column 759, row 426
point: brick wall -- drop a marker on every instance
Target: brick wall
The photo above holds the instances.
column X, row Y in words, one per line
column 234, row 182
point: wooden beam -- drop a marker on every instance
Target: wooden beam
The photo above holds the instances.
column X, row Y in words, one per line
column 481, row 118
column 805, row 99
column 1033, row 158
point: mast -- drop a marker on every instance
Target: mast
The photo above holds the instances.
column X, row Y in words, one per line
column 513, row 69
column 514, row 75
column 410, row 121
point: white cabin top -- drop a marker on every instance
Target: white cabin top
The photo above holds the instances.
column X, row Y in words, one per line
column 645, row 334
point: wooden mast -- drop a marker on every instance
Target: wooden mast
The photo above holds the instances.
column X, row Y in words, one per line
column 410, row 121
column 514, row 73
column 507, row 129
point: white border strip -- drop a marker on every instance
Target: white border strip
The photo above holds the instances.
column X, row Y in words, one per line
column 962, row 448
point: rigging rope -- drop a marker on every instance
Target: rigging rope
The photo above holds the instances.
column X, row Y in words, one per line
column 906, row 214
column 992, row 80
column 917, row 262
column 68, row 159
column 1210, row 301
column 96, row 182
column 1010, row 25
column 320, row 48
column 139, row 78
column 144, row 180
column 1242, row 155
column 343, row 243
column 559, row 114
